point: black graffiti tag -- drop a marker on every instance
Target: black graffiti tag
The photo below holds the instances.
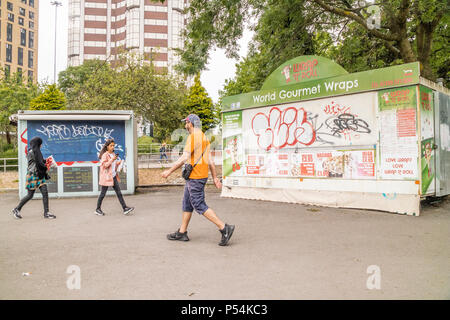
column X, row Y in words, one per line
column 346, row 122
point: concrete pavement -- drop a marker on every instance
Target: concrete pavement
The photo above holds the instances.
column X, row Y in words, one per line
column 278, row 251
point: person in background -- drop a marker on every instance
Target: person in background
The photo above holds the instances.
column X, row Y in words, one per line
column 36, row 178
column 197, row 152
column 109, row 176
column 162, row 152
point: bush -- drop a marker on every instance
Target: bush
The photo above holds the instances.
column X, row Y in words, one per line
column 11, row 153
column 145, row 140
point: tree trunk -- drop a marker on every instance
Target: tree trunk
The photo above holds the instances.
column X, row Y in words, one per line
column 8, row 136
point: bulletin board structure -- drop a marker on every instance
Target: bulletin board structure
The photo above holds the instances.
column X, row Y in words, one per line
column 315, row 134
column 74, row 139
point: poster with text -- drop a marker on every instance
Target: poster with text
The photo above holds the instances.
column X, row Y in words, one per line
column 427, row 139
column 359, row 164
column 398, row 133
column 233, row 156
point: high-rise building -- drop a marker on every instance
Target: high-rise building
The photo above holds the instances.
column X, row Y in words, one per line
column 18, row 37
column 101, row 29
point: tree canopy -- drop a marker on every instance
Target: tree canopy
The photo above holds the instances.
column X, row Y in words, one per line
column 200, row 103
column 132, row 84
column 357, row 34
column 51, row 99
column 15, row 95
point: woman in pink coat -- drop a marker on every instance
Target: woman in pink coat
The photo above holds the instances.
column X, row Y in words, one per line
column 109, row 176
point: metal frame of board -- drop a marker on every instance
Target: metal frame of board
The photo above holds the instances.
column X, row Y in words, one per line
column 130, row 151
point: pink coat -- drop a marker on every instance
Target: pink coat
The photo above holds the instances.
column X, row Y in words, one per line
column 106, row 172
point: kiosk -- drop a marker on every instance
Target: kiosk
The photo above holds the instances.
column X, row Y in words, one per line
column 315, row 134
column 74, row 139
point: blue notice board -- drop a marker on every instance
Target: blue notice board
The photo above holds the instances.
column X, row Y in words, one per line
column 77, row 140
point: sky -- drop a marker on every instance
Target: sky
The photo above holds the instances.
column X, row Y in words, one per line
column 218, row 70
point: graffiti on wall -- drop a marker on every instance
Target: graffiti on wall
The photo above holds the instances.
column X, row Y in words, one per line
column 293, row 126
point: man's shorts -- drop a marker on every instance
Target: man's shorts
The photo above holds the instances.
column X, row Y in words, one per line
column 194, row 196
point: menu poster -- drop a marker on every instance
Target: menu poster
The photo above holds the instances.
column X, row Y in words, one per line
column 77, row 179
column 233, row 156
column 254, row 163
column 282, row 164
column 330, row 164
column 52, row 184
column 303, row 164
column 359, row 164
column 398, row 133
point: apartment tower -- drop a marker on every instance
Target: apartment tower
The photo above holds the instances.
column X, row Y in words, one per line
column 101, row 29
column 18, row 37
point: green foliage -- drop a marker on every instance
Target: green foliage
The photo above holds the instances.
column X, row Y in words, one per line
column 336, row 29
column 51, row 99
column 280, row 35
column 199, row 103
column 145, row 140
column 132, row 84
column 72, row 80
column 15, row 95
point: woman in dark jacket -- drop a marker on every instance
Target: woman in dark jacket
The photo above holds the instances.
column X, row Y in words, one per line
column 36, row 178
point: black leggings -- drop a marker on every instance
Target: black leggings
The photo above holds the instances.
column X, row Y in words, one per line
column 30, row 195
column 116, row 188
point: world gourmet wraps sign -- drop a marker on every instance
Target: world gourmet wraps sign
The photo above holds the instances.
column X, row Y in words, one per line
column 310, row 77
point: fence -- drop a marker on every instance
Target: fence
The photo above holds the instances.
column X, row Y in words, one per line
column 152, row 148
column 9, row 163
column 154, row 159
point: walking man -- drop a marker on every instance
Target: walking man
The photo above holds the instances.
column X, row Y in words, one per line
column 197, row 153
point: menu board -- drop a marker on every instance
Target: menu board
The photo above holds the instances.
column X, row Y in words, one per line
column 52, row 184
column 77, row 179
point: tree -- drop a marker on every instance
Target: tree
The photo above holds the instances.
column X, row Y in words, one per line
column 132, row 84
column 199, row 103
column 51, row 99
column 409, row 31
column 15, row 95
column 280, row 34
column 72, row 80
column 406, row 27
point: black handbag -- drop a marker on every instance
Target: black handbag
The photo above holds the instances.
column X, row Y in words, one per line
column 187, row 168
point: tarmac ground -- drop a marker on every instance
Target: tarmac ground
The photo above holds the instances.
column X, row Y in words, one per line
column 278, row 251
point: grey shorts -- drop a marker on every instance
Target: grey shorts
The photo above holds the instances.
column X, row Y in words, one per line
column 194, row 196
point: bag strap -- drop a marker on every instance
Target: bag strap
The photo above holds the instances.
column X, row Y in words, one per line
column 199, row 158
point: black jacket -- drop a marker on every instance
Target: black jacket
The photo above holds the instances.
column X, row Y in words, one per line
column 36, row 164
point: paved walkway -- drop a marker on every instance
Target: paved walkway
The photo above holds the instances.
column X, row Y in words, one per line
column 278, row 251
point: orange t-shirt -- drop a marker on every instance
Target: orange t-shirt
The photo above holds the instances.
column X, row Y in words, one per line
column 196, row 144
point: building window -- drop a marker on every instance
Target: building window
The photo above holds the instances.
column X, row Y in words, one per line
column 23, row 37
column 10, row 17
column 19, row 72
column 31, row 2
column 8, row 52
column 9, row 29
column 22, row 11
column 24, row 1
column 21, row 21
column 10, row 7
column 31, row 24
column 7, row 70
column 30, row 75
column 30, row 39
column 30, row 59
column 31, row 15
column 20, row 56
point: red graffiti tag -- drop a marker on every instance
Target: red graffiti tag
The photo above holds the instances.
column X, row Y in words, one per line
column 24, row 140
column 283, row 128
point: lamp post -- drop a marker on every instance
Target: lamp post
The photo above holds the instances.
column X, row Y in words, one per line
column 56, row 4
